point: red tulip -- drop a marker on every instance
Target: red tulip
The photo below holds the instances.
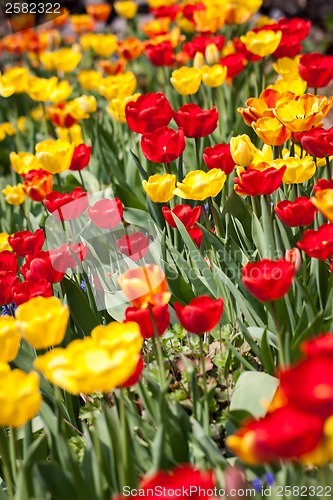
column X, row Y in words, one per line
column 293, row 26
column 318, row 244
column 149, row 112
column 316, row 69
column 241, row 49
column 67, row 206
column 22, row 292
column 106, row 213
column 8, row 262
column 135, row 246
column 190, row 9
column 39, row 266
column 289, row 46
column 7, row 282
column 68, row 256
column 185, row 479
column 296, row 213
column 169, row 11
column 255, row 182
column 81, row 157
column 268, row 279
column 26, row 243
column 60, row 117
column 201, row 315
column 235, row 63
column 322, row 345
column 196, row 235
column 134, row 379
column 195, row 121
column 286, row 433
column 144, row 319
column 185, row 213
column 163, row 145
column 317, row 141
column 219, row 156
column 37, row 184
column 323, row 184
column 160, row 54
column 200, row 43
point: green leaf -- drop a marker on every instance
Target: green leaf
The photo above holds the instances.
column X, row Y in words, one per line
column 252, row 388
column 81, row 312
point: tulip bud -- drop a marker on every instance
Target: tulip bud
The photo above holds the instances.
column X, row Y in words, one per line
column 294, row 257
column 212, row 54
column 199, row 60
column 242, row 150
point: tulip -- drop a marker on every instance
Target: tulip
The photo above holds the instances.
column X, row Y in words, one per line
column 65, row 60
column 145, row 285
column 135, row 377
column 135, row 246
column 10, row 338
column 195, row 121
column 196, row 235
column 116, row 107
column 16, row 387
column 200, row 43
column 72, row 135
column 318, row 244
column 7, row 282
column 323, row 200
column 22, row 292
column 317, row 141
column 89, row 79
column 219, row 156
column 68, row 256
column 160, row 54
column 82, row 107
column 242, row 150
column 81, row 157
column 296, row 213
column 39, row 266
column 37, row 184
column 4, row 245
column 201, row 315
column 82, row 23
column 323, row 184
column 67, row 206
column 163, row 145
column 99, row 363
column 259, row 107
column 302, row 113
column 99, row 12
column 55, row 156
column 262, row 43
column 289, row 46
column 198, row 61
column 130, row 48
column 199, row 185
column 126, row 9
column 149, row 319
column 186, row 80
column 268, row 279
column 41, row 89
column 23, row 162
column 148, row 112
column 316, row 69
column 8, row 261
column 271, row 131
column 43, row 321
column 116, row 86
column 104, row 45
column 214, row 76
column 26, row 243
column 294, row 257
column 160, row 188
column 286, row 433
column 185, row 213
column 60, row 115
column 14, row 195
column 106, row 213
column 253, row 182
column 235, row 63
column 297, row 170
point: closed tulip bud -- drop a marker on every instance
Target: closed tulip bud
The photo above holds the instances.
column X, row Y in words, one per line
column 10, row 338
column 212, row 54
column 14, row 195
column 43, row 321
column 150, row 318
column 199, row 60
column 294, row 257
column 160, row 187
column 242, row 150
column 201, row 315
column 17, row 386
column 214, row 76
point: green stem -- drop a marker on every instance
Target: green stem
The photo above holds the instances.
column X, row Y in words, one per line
column 279, row 335
column 12, row 451
column 82, row 181
column 158, row 350
column 197, row 152
column 205, row 396
column 215, row 217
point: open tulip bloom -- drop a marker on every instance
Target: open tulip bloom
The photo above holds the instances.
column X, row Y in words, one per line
column 166, row 252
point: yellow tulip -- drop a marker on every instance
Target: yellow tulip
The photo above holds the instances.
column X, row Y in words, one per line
column 186, row 80
column 271, row 131
column 17, row 78
column 89, row 79
column 10, row 338
column 116, row 107
column 145, row 285
column 43, row 321
column 263, row 43
column 154, row 4
column 126, row 9
column 98, row 363
column 14, row 194
column 212, row 54
column 64, row 60
column 199, row 185
column 290, row 83
column 37, row 114
column 116, row 86
column 240, row 11
column 104, row 45
column 242, row 150
column 72, row 134
column 55, row 156
column 40, row 89
column 214, row 76
column 60, row 92
column 285, row 66
column 23, row 162
column 198, row 61
column 160, row 187
column 4, row 245
column 21, row 123
column 20, row 398
column 212, row 18
column 323, row 200
column 6, row 129
column 298, row 170
column 82, row 107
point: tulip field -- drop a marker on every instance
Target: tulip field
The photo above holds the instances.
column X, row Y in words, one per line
column 166, row 254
